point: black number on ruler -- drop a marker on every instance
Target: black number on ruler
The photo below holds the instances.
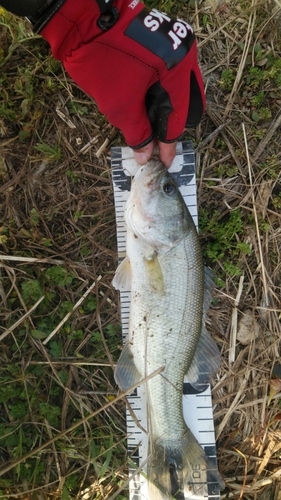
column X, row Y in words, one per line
column 188, row 389
column 185, row 176
column 135, row 485
column 121, row 180
column 133, row 394
column 213, row 487
column 134, row 453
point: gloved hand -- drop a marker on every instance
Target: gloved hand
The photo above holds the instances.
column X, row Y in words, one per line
column 138, row 64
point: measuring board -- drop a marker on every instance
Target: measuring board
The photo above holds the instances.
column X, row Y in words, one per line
column 197, row 406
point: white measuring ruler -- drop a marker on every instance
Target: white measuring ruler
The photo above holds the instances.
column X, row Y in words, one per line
column 197, row 406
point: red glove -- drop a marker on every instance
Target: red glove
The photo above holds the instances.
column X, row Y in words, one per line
column 139, row 65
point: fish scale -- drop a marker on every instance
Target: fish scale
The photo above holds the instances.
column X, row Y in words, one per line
column 181, row 310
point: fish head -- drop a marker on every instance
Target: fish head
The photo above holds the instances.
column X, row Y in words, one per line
column 155, row 210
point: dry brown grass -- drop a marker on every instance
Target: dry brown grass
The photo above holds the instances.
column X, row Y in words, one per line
column 248, row 434
column 60, row 212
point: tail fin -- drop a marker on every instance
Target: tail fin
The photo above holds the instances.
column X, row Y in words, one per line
column 180, row 470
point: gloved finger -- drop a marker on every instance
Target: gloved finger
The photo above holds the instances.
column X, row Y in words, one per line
column 143, row 155
column 167, row 152
column 197, row 99
column 177, row 100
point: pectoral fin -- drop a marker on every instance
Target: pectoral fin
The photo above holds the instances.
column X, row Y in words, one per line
column 126, row 374
column 154, row 274
column 123, row 276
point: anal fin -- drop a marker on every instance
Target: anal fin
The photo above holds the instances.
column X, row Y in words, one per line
column 126, row 374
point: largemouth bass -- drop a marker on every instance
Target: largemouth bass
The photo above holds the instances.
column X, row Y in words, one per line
column 170, row 293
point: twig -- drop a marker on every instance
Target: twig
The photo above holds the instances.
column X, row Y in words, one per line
column 49, row 432
column 211, row 136
column 262, row 145
column 70, row 362
column 254, row 486
column 65, row 119
column 272, row 448
column 234, row 403
column 30, row 259
column 102, row 148
column 89, row 144
column 256, row 218
column 20, row 320
column 106, row 142
column 247, row 45
column 245, row 474
column 233, row 331
column 78, row 303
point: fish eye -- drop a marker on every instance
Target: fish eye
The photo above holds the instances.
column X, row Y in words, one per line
column 169, row 188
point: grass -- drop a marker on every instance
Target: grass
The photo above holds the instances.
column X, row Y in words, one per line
column 62, row 423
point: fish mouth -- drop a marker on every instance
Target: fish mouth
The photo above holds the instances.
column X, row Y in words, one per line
column 152, row 172
column 144, row 215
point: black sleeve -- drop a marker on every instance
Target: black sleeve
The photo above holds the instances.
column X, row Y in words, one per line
column 26, row 7
column 39, row 12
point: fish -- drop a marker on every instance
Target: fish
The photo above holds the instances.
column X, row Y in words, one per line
column 170, row 294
